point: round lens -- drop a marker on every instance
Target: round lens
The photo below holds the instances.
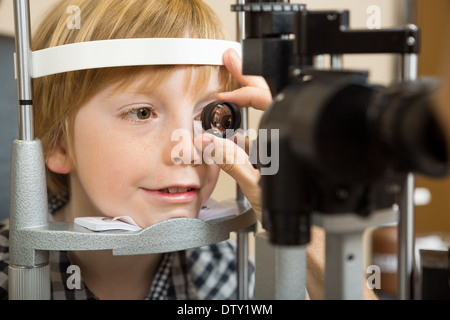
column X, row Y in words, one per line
column 222, row 118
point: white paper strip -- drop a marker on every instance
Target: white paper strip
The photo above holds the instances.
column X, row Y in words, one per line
column 130, row 52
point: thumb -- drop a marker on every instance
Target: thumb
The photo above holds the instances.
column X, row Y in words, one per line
column 234, row 161
column 224, row 153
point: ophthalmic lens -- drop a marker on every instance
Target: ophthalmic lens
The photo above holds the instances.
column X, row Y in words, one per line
column 221, row 118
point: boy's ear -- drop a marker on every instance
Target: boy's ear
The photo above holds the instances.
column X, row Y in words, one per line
column 58, row 160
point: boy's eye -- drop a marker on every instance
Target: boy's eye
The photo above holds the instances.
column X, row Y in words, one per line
column 143, row 113
column 140, row 113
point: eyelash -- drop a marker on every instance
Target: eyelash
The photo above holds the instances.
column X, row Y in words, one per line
column 131, row 114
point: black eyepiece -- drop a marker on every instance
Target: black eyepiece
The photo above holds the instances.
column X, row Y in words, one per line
column 221, row 118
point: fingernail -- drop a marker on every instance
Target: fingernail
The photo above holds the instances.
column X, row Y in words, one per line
column 221, row 96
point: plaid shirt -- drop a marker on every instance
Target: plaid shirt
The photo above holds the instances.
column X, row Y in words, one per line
column 204, row 273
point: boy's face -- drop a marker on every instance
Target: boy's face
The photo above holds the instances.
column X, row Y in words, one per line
column 123, row 151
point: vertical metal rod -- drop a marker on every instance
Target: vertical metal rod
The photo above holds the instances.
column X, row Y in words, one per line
column 23, row 69
column 406, row 233
column 337, row 61
column 408, row 11
column 406, row 241
column 242, row 236
column 243, row 269
column 319, row 62
column 27, row 279
column 343, row 275
column 406, row 225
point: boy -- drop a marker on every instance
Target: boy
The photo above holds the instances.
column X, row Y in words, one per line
column 106, row 135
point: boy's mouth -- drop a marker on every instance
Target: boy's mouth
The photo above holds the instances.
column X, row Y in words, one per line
column 176, row 194
column 176, row 190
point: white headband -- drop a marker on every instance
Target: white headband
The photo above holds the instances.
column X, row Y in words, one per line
column 129, row 52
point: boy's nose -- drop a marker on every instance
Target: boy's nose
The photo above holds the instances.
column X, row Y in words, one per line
column 182, row 150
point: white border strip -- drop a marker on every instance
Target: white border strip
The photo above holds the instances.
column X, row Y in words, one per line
column 130, row 52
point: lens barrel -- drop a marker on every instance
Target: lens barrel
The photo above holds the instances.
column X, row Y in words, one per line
column 221, row 118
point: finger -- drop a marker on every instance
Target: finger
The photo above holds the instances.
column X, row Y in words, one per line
column 233, row 63
column 257, row 98
column 223, row 152
column 242, row 141
column 235, row 162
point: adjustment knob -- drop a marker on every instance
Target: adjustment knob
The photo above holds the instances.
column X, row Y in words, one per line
column 268, row 7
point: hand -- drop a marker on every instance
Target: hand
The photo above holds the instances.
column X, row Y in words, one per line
column 254, row 91
column 232, row 155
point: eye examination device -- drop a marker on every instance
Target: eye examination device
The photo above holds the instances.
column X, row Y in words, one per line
column 221, row 118
column 348, row 149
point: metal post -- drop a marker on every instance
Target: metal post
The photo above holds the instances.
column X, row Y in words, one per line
column 344, row 263
column 337, row 61
column 405, row 243
column 406, row 235
column 28, row 275
column 280, row 270
column 23, row 60
column 343, row 275
column 242, row 236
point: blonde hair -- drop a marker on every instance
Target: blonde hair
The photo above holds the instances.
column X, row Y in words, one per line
column 57, row 98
